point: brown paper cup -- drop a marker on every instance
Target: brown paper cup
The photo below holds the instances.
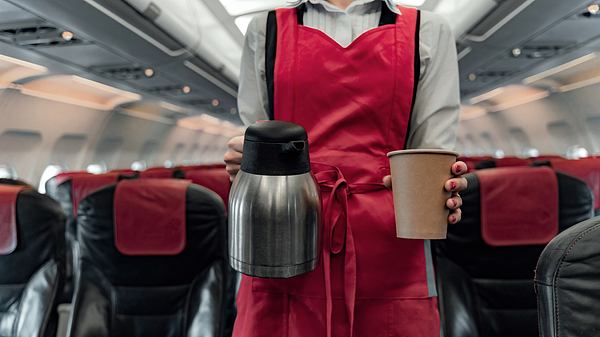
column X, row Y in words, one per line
column 418, row 178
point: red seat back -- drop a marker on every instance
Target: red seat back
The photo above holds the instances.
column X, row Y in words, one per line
column 587, row 169
column 215, row 179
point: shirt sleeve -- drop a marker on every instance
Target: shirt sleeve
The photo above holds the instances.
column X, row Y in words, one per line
column 253, row 99
column 434, row 121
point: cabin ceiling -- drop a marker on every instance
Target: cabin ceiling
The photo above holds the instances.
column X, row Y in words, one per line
column 547, row 33
column 107, row 51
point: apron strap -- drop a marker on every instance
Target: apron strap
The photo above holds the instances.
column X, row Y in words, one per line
column 339, row 237
column 387, row 18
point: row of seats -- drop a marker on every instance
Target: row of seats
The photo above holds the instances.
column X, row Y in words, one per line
column 151, row 259
column 586, row 169
column 148, row 255
column 69, row 188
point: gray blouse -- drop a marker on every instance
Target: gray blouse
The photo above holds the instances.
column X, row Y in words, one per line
column 435, row 116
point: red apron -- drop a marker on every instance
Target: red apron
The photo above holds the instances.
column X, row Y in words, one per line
column 355, row 102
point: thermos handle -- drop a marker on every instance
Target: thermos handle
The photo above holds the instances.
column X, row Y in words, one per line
column 295, row 146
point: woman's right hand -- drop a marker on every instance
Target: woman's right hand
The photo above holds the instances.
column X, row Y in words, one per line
column 233, row 156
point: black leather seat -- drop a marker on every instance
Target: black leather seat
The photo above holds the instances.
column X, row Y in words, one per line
column 568, row 283
column 587, row 169
column 485, row 268
column 31, row 261
column 68, row 189
column 152, row 261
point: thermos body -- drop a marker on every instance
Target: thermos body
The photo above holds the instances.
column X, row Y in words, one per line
column 278, row 231
column 274, row 204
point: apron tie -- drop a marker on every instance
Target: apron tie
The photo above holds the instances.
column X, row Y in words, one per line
column 339, row 236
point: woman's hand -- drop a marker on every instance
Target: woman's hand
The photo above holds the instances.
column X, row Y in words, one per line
column 454, row 185
column 233, row 156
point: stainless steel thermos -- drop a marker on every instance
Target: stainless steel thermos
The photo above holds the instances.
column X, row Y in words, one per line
column 274, row 204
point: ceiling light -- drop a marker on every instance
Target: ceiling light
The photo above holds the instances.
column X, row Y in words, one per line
column 472, row 77
column 215, row 102
column 594, row 9
column 186, row 89
column 516, row 52
column 148, row 72
column 67, row 35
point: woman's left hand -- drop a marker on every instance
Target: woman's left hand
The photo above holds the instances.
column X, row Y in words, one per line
column 453, row 185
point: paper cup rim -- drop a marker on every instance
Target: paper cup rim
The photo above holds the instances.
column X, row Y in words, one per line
column 423, row 151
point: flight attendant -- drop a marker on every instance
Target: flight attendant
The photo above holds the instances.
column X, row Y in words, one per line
column 364, row 77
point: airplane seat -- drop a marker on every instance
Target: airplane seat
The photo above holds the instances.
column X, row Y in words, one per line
column 485, row 267
column 160, row 173
column 69, row 192
column 512, row 162
column 53, row 183
column 215, row 179
column 472, row 161
column 32, row 248
column 153, row 261
column 485, row 164
column 14, row 182
column 587, row 169
column 567, row 282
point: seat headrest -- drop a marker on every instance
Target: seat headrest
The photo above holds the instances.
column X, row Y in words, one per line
column 84, row 185
column 519, row 206
column 215, row 179
column 512, row 162
column 150, row 216
column 200, row 167
column 587, row 170
column 8, row 217
column 64, row 176
column 158, row 172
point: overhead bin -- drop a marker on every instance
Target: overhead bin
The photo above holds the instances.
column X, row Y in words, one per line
column 197, row 28
column 137, row 44
column 12, row 70
column 508, row 97
column 581, row 72
column 79, row 91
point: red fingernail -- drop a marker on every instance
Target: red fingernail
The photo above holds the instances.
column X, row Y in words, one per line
column 452, row 185
column 454, row 203
column 453, row 219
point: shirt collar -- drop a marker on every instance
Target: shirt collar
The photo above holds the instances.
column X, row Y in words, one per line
column 354, row 5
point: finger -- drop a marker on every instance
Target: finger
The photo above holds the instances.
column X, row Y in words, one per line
column 455, row 216
column 232, row 157
column 387, row 181
column 456, row 185
column 236, row 144
column 459, row 168
column 454, row 203
column 232, row 169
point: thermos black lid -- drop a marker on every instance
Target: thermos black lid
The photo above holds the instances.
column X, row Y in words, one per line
column 275, row 132
column 275, row 148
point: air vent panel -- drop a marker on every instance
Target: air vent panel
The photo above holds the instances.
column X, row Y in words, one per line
column 36, row 34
